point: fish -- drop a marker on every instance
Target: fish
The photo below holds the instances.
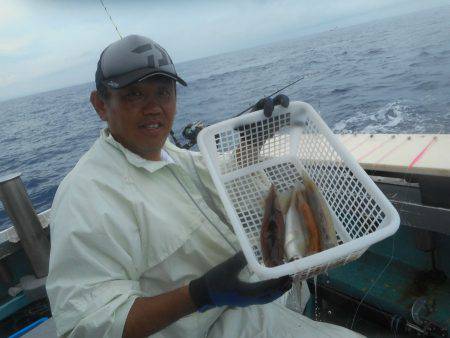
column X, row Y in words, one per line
column 306, row 212
column 296, row 223
column 284, row 198
column 272, row 231
column 296, row 239
column 321, row 213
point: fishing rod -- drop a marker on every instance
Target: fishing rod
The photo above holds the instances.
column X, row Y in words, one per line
column 270, row 95
column 111, row 19
column 267, row 104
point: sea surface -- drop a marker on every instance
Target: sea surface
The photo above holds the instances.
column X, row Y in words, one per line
column 386, row 76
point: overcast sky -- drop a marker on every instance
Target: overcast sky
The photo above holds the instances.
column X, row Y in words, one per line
column 46, row 44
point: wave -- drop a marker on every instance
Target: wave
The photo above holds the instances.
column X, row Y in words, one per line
column 375, row 51
column 341, row 90
column 428, row 85
column 393, row 75
column 381, row 86
column 424, row 54
column 243, row 71
column 416, row 64
column 383, row 120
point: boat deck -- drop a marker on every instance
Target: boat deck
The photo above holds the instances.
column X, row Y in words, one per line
column 425, row 154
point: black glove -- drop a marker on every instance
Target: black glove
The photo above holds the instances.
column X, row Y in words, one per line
column 257, row 133
column 221, row 286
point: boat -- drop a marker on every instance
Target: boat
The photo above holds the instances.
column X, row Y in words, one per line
column 399, row 286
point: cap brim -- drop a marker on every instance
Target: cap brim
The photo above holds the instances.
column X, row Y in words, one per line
column 124, row 80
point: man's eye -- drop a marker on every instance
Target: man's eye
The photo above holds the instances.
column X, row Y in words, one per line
column 164, row 92
column 134, row 95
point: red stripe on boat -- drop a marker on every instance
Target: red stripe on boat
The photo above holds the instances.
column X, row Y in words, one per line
column 418, row 157
column 371, row 151
column 357, row 146
column 392, row 150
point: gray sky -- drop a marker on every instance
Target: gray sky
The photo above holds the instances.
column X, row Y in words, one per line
column 46, row 44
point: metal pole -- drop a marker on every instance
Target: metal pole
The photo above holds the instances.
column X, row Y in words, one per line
column 20, row 210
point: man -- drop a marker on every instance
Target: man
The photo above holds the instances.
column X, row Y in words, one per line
column 140, row 241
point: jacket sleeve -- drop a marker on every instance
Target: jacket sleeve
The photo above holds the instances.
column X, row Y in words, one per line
column 95, row 260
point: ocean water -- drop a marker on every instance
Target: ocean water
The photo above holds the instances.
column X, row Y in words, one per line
column 386, row 76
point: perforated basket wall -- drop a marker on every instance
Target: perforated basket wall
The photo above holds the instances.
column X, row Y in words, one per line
column 247, row 154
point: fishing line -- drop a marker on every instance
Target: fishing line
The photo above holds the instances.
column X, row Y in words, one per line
column 405, row 177
column 236, row 250
column 375, row 282
column 111, row 19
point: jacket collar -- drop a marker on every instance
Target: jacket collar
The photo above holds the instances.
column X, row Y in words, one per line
column 135, row 159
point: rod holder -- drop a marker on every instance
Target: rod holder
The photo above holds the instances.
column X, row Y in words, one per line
column 18, row 206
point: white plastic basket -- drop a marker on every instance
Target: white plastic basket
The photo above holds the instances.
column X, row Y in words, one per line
column 292, row 140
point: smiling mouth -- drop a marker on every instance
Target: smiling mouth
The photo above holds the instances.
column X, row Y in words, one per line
column 151, row 126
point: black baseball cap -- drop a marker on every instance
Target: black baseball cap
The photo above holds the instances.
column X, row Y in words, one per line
column 133, row 59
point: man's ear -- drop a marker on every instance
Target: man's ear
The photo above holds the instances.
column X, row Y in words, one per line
column 99, row 105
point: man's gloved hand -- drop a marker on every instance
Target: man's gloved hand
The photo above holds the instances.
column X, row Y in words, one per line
column 267, row 104
column 257, row 133
column 221, row 286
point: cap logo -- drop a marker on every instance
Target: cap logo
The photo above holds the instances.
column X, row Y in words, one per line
column 142, row 49
column 163, row 61
column 113, row 84
column 165, row 57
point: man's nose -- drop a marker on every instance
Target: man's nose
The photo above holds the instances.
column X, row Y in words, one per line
column 151, row 106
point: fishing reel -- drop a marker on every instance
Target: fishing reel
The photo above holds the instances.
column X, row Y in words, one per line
column 190, row 133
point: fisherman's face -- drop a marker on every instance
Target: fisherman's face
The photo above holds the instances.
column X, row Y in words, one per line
column 140, row 116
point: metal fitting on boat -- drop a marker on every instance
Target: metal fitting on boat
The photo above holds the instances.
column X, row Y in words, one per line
column 18, row 206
